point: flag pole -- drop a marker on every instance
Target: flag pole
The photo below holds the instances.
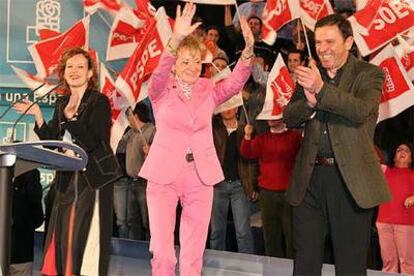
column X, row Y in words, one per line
column 245, row 113
column 306, row 38
column 237, row 9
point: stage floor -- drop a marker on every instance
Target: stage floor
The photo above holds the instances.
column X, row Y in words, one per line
column 132, row 258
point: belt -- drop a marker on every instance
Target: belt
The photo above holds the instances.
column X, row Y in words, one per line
column 324, row 161
column 189, row 157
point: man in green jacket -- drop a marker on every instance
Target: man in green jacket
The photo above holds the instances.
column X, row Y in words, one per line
column 337, row 178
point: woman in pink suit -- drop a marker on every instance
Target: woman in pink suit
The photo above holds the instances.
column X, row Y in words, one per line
column 182, row 164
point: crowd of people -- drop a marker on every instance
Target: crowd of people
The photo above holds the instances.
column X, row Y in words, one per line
column 313, row 169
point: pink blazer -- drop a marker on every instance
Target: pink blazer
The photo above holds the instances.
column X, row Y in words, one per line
column 183, row 124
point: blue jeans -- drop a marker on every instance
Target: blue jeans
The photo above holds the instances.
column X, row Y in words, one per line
column 120, row 206
column 224, row 193
column 137, row 217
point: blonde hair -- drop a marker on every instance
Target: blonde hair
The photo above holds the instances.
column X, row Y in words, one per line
column 192, row 44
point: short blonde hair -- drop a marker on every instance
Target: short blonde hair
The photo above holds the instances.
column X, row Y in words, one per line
column 192, row 44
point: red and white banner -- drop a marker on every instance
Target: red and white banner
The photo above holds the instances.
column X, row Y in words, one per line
column 279, row 91
column 405, row 51
column 363, row 19
column 111, row 6
column 313, row 10
column 118, row 104
column 127, row 29
column 212, row 2
column 144, row 8
column 276, row 14
column 32, row 82
column 145, row 58
column 46, row 53
column 398, row 91
column 390, row 19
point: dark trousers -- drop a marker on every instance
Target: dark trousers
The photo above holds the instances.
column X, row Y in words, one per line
column 277, row 223
column 328, row 207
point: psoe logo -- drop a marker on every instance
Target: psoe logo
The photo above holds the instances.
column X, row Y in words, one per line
column 47, row 17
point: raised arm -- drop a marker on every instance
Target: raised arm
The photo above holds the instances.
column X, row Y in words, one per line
column 182, row 28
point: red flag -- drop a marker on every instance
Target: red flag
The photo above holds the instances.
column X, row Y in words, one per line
column 144, row 7
column 405, row 52
column 392, row 18
column 126, row 31
column 116, row 99
column 313, row 10
column 46, row 53
column 279, row 91
column 276, row 14
column 398, row 91
column 118, row 104
column 112, row 6
column 145, row 58
column 362, row 20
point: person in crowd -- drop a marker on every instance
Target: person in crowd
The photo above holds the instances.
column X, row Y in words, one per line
column 276, row 152
column 27, row 216
column 237, row 187
column 183, row 146
column 254, row 94
column 136, row 150
column 129, row 191
column 295, row 58
column 252, row 7
column 218, row 64
column 81, row 219
column 395, row 222
column 212, row 38
column 255, row 24
column 337, row 179
column 121, row 188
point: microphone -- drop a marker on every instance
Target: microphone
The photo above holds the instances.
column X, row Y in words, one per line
column 11, row 137
column 13, row 103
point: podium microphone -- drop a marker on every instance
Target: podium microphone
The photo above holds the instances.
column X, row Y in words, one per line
column 11, row 137
column 19, row 100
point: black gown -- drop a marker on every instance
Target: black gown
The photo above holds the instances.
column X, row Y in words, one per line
column 81, row 218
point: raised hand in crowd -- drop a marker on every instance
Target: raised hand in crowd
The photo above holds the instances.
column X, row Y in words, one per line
column 248, row 39
column 248, row 130
column 182, row 24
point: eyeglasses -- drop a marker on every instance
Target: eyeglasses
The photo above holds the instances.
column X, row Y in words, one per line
column 403, row 149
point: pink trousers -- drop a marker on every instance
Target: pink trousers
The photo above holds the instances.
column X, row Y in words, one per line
column 196, row 200
column 397, row 243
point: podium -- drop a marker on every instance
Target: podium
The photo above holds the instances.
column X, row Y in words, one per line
column 18, row 158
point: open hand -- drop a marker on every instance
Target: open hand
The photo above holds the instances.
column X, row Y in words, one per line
column 182, row 25
column 22, row 106
column 248, row 37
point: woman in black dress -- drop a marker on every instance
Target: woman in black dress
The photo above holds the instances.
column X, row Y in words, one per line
column 79, row 232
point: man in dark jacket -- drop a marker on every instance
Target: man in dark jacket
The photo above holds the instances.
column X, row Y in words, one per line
column 337, row 179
